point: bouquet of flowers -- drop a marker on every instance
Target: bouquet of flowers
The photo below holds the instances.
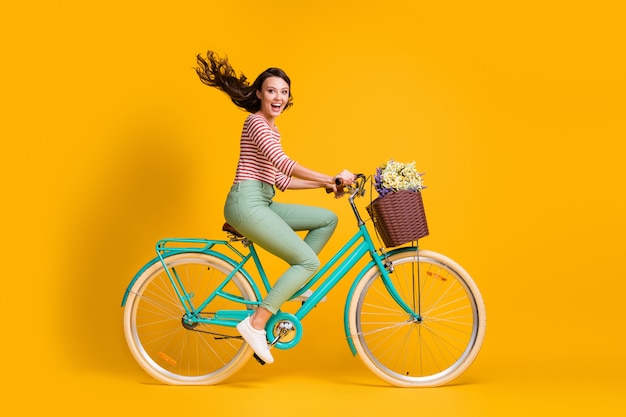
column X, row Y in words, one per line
column 394, row 176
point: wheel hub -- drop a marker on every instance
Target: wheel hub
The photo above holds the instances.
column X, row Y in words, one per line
column 188, row 324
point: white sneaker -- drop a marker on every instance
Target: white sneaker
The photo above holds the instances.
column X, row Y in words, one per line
column 256, row 339
column 306, row 295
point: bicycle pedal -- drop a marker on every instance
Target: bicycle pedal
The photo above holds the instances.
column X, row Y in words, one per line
column 259, row 360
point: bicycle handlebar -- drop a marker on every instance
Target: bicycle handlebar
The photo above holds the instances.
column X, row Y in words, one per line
column 358, row 189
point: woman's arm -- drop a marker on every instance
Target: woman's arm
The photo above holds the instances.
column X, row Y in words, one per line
column 300, row 184
column 304, row 178
column 323, row 180
column 311, row 176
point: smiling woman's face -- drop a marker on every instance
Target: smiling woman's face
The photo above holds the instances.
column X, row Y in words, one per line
column 274, row 96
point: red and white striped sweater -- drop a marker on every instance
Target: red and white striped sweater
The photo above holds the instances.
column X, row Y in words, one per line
column 261, row 156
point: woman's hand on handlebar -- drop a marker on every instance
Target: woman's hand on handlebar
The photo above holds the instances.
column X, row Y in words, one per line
column 344, row 178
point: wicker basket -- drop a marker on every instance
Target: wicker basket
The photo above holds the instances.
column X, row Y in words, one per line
column 399, row 217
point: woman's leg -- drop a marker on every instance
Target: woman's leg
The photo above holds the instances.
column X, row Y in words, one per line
column 319, row 222
column 245, row 206
column 275, row 231
column 300, row 254
column 271, row 226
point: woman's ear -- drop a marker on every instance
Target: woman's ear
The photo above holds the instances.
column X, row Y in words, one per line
column 258, row 94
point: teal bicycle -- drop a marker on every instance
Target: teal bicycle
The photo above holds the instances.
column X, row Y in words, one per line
column 415, row 317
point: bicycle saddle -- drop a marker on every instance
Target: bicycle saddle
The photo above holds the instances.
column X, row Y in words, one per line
column 228, row 228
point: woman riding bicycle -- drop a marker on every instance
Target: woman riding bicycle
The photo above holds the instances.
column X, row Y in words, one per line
column 262, row 167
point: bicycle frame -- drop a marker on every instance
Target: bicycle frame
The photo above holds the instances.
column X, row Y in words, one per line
column 334, row 270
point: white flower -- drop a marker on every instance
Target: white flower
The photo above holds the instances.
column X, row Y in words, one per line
column 395, row 176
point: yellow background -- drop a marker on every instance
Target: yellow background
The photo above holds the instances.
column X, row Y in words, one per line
column 515, row 110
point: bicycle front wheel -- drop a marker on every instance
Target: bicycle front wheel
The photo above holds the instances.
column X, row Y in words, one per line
column 176, row 351
column 434, row 343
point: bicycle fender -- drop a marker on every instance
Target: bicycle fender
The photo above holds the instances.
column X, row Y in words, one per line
column 346, row 315
column 132, row 281
column 208, row 252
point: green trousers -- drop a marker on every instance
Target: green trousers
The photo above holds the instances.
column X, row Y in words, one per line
column 272, row 226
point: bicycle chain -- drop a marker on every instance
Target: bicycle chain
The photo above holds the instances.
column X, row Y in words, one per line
column 222, row 336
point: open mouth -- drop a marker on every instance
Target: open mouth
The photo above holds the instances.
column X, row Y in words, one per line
column 276, row 106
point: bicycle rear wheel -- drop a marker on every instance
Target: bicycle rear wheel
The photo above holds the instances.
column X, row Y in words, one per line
column 175, row 351
column 436, row 343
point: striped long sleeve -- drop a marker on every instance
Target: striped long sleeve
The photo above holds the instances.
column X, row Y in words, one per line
column 261, row 155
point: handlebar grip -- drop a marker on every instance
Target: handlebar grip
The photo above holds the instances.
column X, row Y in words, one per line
column 338, row 182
